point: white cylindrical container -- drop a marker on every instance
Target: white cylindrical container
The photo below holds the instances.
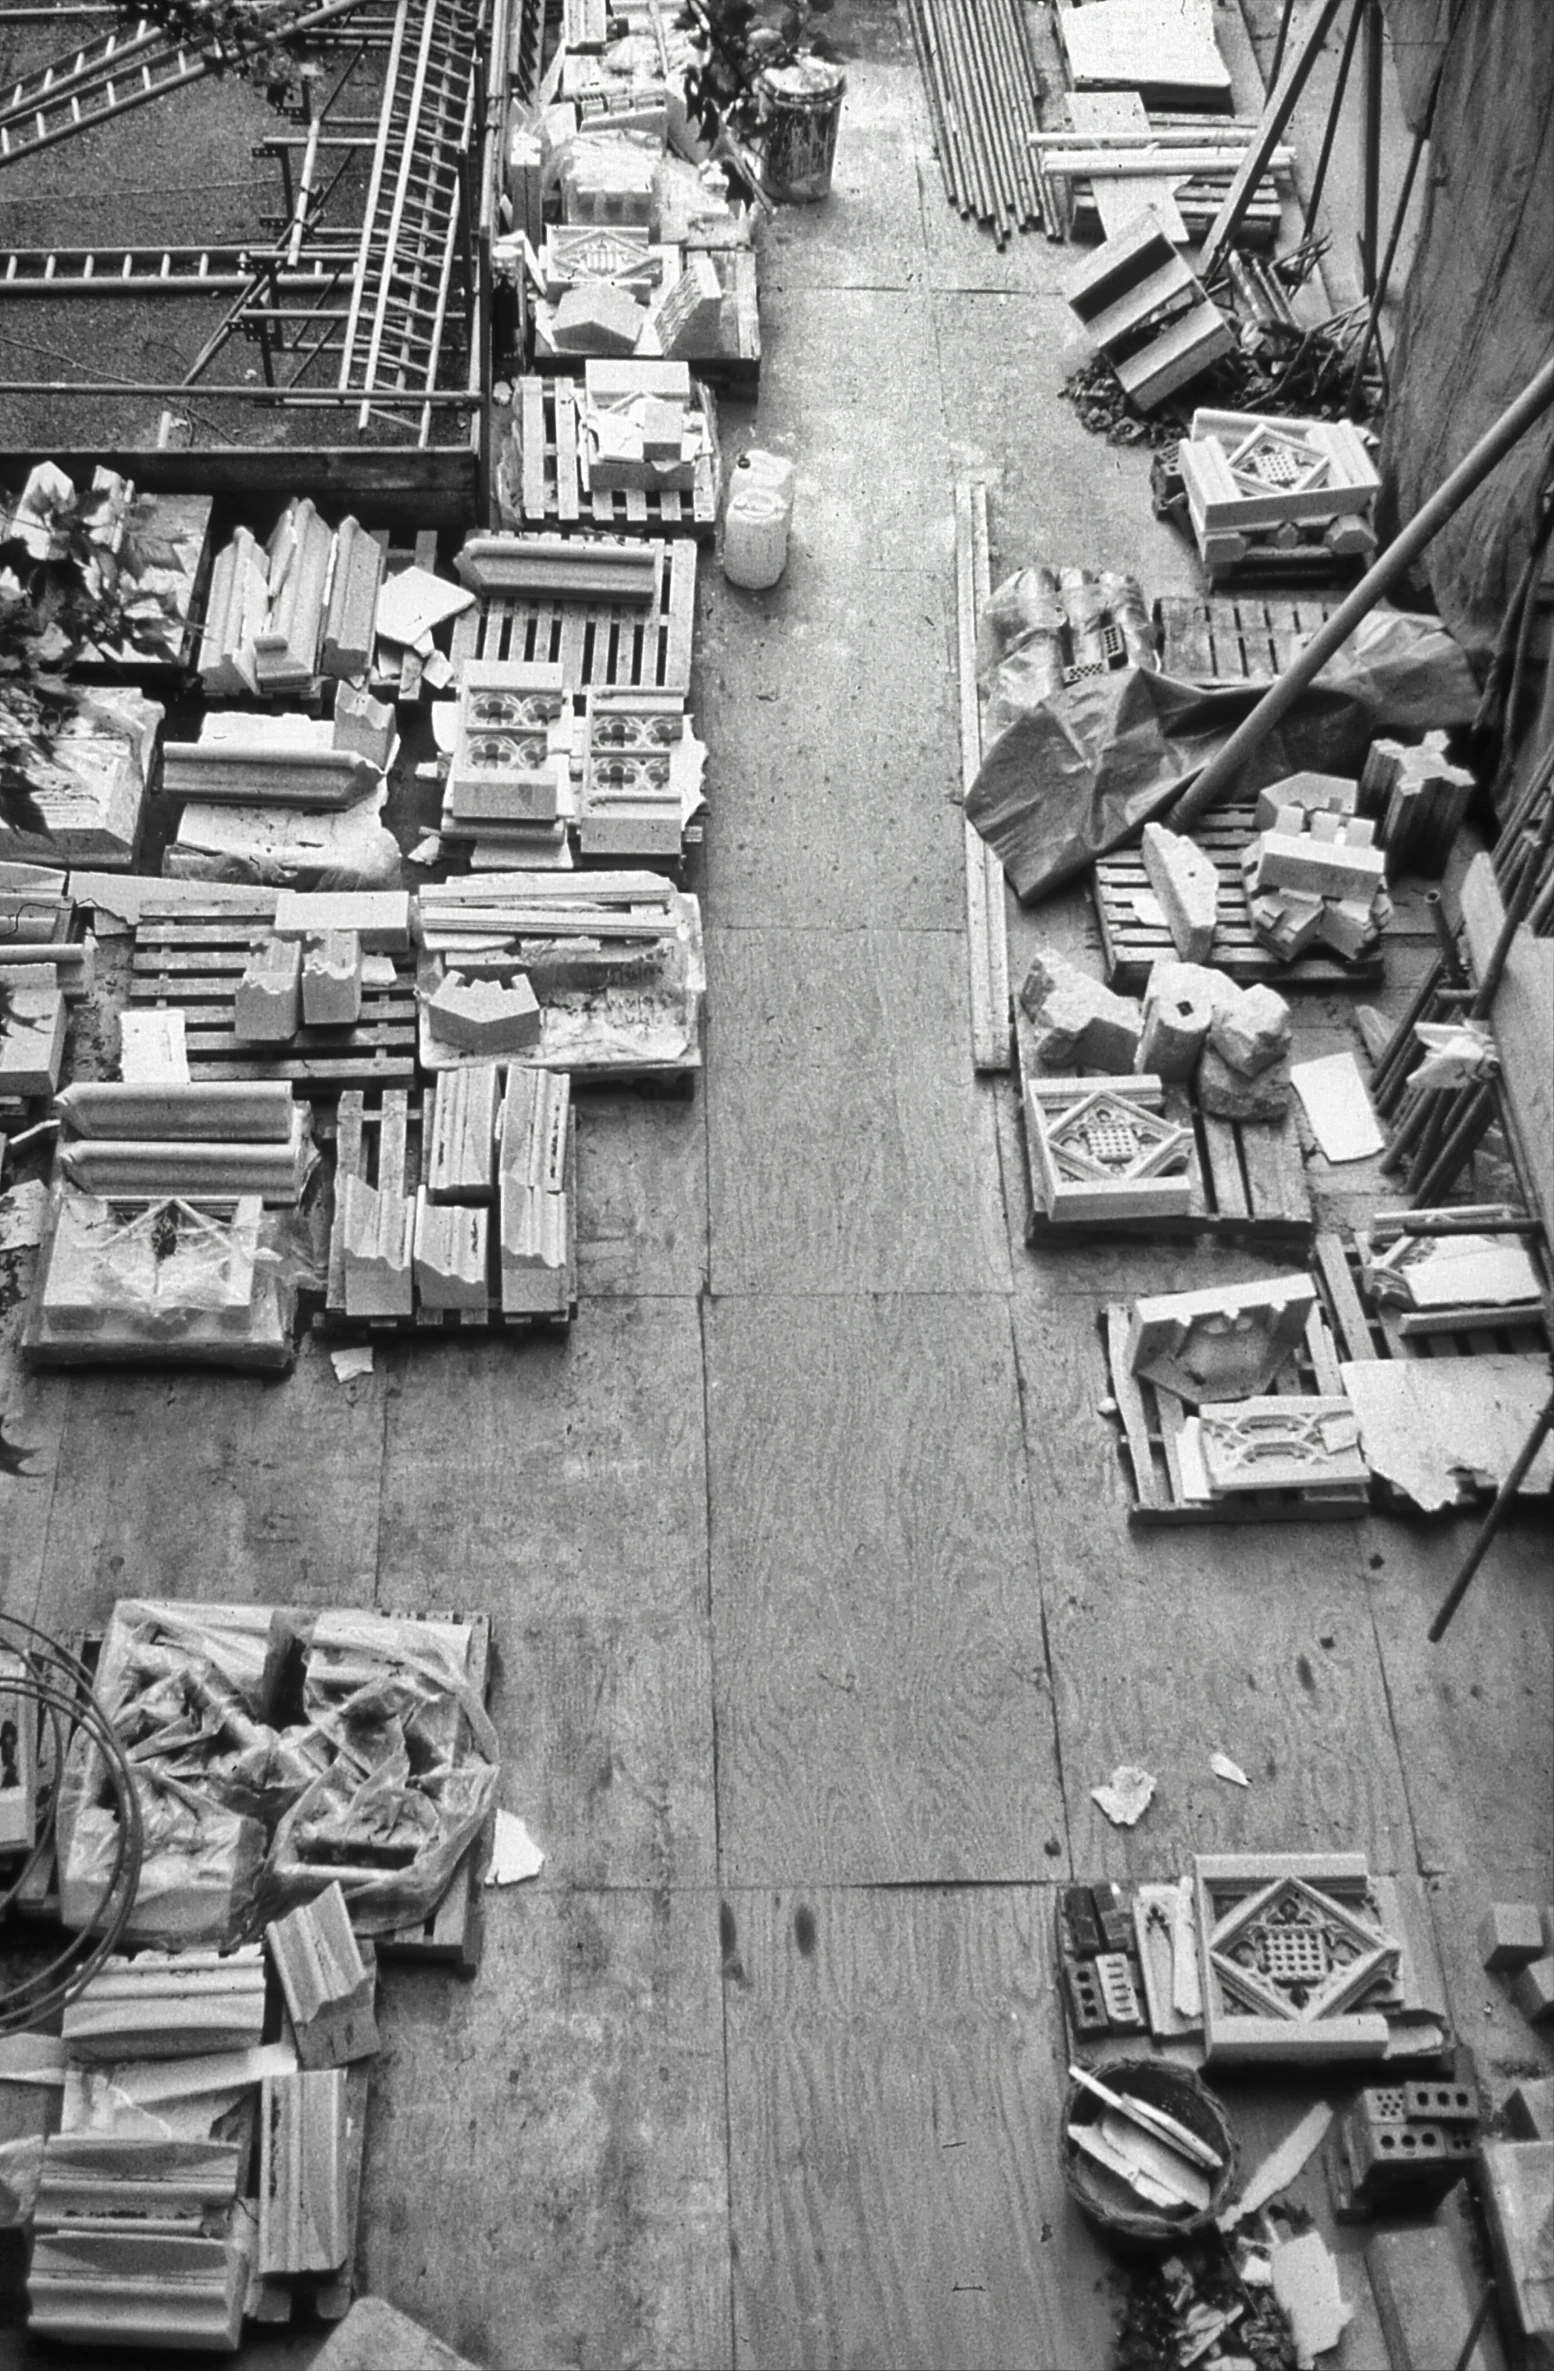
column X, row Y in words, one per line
column 756, row 519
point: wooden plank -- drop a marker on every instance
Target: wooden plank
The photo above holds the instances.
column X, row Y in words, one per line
column 613, row 2072
column 1130, row 1406
column 1145, row 1671
column 531, row 399
column 1523, row 1021
column 987, row 950
column 896, row 2135
column 682, row 616
column 860, row 1742
column 1354, row 1331
column 830, row 1146
column 1300, row 57
column 1219, row 1140
column 567, row 481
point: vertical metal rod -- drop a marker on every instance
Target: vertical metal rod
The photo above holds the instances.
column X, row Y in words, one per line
column 1330, row 130
column 1451, row 961
column 1459, row 1146
column 1276, row 68
column 1371, row 152
column 1383, row 279
column 1491, row 1525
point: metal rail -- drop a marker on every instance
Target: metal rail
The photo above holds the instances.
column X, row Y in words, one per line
column 152, row 271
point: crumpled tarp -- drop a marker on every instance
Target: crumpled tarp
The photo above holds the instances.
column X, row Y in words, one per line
column 1477, row 317
column 379, row 1770
column 1068, row 774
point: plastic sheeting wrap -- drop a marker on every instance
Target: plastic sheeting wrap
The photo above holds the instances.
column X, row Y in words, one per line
column 1478, row 311
column 1070, row 772
column 277, row 1751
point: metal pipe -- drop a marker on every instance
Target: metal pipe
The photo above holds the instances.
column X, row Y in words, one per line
column 1515, row 914
column 1379, row 294
column 995, row 117
column 1492, row 1522
column 1021, row 88
column 1335, row 109
column 1394, row 563
column 1370, row 172
column 964, row 19
column 1468, row 1127
column 1445, row 939
column 954, row 57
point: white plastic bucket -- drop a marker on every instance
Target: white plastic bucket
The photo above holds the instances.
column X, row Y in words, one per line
column 755, row 537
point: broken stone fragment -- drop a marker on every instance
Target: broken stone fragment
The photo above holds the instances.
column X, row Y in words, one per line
column 1227, row 1094
column 1180, row 1002
column 1287, row 921
column 1187, row 885
column 1079, row 1023
column 1251, row 1027
column 1332, row 794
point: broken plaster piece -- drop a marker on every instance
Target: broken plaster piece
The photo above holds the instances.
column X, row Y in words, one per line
column 426, row 851
column 1223, row 1767
column 1338, row 1106
column 348, row 1364
column 1430, row 1426
column 514, row 1853
column 21, row 1215
column 413, row 602
column 1126, row 1796
column 1305, row 2284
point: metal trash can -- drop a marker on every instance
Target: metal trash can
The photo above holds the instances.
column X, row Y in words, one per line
column 802, row 107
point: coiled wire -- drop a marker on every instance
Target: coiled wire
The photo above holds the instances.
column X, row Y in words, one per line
column 46, row 1675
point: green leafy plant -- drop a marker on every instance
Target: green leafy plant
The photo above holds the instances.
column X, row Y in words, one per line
column 737, row 41
column 64, row 594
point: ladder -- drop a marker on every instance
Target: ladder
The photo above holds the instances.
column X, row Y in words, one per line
column 128, row 67
column 152, row 271
column 90, row 85
column 394, row 328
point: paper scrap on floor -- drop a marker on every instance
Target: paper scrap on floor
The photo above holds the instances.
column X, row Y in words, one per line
column 1126, row 1795
column 21, row 1215
column 1305, row 2284
column 514, row 1853
column 415, row 602
column 348, row 1364
column 1280, row 2167
column 1338, row 1106
column 1223, row 1767
column 1434, row 1427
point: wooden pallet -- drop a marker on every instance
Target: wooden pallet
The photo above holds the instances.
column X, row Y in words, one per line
column 194, row 962
column 450, row 1936
column 1152, row 1419
column 550, row 492
column 735, row 369
column 1198, row 200
column 1248, row 1177
column 610, row 643
column 384, row 1139
column 1132, row 946
column 1230, row 641
column 1368, row 1328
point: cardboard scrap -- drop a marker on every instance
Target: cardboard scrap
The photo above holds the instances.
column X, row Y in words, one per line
column 514, row 1853
column 1126, row 1795
column 1430, row 1425
column 1338, row 1106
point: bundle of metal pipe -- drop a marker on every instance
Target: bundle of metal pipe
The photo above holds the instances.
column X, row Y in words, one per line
column 985, row 102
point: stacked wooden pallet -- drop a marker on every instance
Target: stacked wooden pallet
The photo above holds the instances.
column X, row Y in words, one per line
column 543, row 476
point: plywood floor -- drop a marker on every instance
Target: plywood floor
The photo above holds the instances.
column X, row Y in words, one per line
column 816, row 1607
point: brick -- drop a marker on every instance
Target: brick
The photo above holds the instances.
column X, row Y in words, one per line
column 1250, row 1030
column 1335, row 794
column 1079, row 1024
column 1533, row 1991
column 1187, row 885
column 597, row 318
column 332, row 980
column 483, row 1017
column 268, row 1007
column 1509, row 1935
column 1179, row 1006
column 1227, row 1094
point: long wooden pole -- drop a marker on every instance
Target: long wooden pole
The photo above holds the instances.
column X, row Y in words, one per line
column 1393, row 564
column 1277, row 113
